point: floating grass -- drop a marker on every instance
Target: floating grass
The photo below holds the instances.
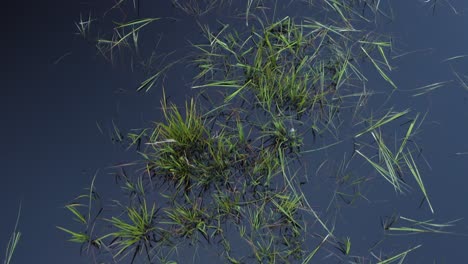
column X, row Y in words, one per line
column 419, row 227
column 135, row 234
column 309, row 257
column 454, row 58
column 429, row 88
column 86, row 237
column 230, row 160
column 399, row 257
column 392, row 163
column 13, row 241
column 197, row 7
column 417, row 176
column 387, row 118
column 377, row 67
column 121, row 37
column 84, row 26
column 461, row 80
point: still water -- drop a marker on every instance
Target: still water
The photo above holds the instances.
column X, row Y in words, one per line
column 62, row 102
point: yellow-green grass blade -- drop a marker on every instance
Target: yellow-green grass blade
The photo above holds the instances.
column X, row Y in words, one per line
column 312, row 254
column 399, row 256
column 377, row 67
column 383, row 172
column 409, row 133
column 13, row 241
column 387, row 118
column 411, row 164
column 429, row 88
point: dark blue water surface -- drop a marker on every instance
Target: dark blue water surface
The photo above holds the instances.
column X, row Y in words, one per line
column 56, row 91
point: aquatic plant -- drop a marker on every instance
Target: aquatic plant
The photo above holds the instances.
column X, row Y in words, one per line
column 227, row 171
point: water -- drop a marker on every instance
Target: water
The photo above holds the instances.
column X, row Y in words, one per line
column 52, row 145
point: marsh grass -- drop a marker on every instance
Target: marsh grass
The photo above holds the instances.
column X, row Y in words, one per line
column 233, row 158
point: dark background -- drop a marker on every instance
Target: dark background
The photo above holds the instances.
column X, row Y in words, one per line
column 51, row 146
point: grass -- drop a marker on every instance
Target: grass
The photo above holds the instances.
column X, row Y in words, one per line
column 84, row 26
column 189, row 222
column 398, row 257
column 429, row 88
column 426, row 226
column 137, row 234
column 86, row 236
column 198, row 8
column 387, row 118
column 392, row 163
column 417, row 176
column 229, row 168
column 270, row 67
column 376, row 63
column 13, row 241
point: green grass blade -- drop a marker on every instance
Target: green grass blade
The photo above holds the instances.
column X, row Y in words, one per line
column 381, row 72
column 417, row 176
column 14, row 240
column 398, row 256
column 387, row 118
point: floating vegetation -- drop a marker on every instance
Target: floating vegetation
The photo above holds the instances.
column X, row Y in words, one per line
column 136, row 234
column 393, row 259
column 228, row 170
column 13, row 241
column 198, row 7
column 429, row 88
column 415, row 226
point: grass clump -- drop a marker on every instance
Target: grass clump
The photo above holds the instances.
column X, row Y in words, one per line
column 229, row 170
column 137, row 234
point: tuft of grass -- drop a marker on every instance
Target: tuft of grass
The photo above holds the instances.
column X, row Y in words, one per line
column 189, row 221
column 135, row 234
column 186, row 131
